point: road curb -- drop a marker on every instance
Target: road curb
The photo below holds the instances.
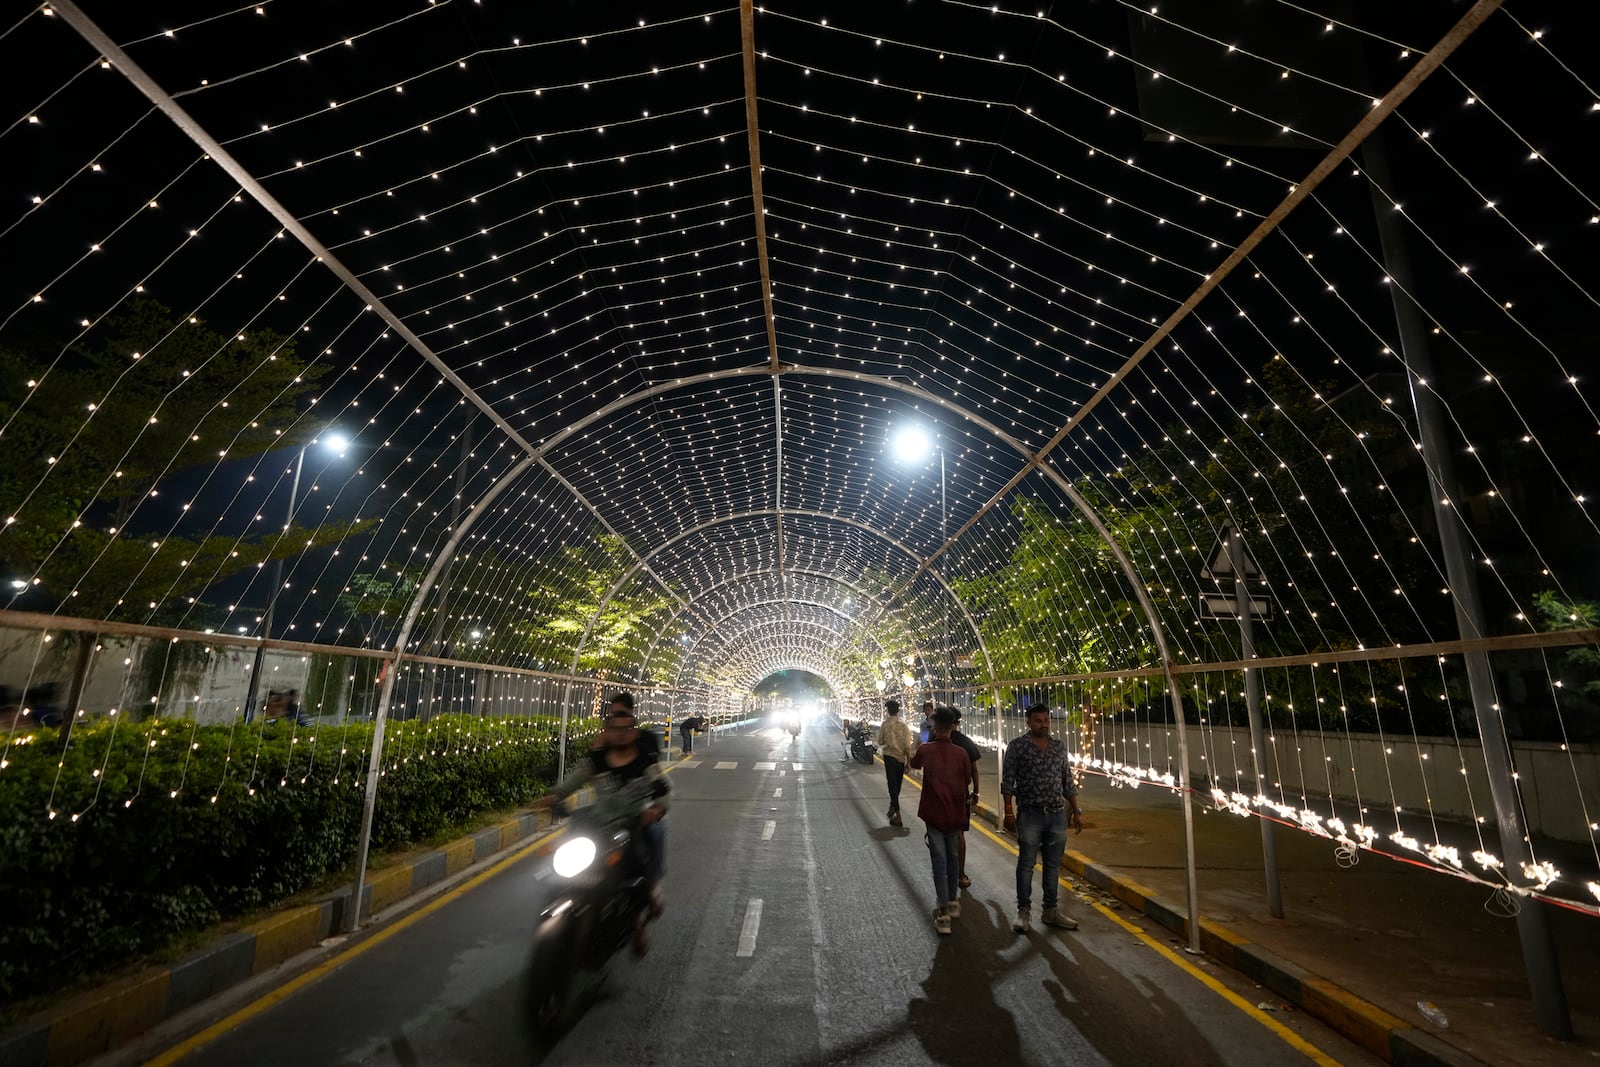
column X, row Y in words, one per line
column 101, row 1019
column 1374, row 1029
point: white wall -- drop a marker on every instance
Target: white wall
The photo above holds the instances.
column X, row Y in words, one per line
column 1560, row 788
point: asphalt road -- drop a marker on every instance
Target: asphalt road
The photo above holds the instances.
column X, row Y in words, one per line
column 843, row 967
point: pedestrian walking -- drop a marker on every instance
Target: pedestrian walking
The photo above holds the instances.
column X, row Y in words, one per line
column 1037, row 778
column 894, row 745
column 946, row 770
column 974, row 753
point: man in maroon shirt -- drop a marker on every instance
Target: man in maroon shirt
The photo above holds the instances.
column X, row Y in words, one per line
column 946, row 770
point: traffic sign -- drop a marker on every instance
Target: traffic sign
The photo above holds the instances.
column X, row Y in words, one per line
column 1225, row 606
column 1219, row 564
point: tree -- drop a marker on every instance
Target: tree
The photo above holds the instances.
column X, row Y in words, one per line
column 569, row 600
column 95, row 433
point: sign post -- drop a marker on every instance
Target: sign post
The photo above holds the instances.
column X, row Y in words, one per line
column 1230, row 559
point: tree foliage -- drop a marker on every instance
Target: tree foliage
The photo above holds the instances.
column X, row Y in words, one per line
column 97, row 430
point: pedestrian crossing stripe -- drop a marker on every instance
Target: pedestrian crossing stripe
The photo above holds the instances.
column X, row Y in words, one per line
column 726, row 766
column 766, row 766
column 688, row 763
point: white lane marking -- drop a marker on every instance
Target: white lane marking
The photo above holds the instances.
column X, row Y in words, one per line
column 766, row 766
column 767, row 830
column 777, row 792
column 687, row 763
column 752, row 926
column 725, row 765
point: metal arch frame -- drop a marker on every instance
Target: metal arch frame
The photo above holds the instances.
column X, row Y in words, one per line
column 729, row 639
column 759, row 571
column 740, row 516
column 1032, row 461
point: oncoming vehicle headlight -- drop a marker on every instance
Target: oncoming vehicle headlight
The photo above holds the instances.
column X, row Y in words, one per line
column 573, row 857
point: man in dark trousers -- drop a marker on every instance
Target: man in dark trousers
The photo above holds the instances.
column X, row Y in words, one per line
column 687, row 729
column 894, row 745
column 974, row 754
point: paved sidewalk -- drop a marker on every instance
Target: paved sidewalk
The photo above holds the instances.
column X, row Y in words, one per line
column 1387, row 931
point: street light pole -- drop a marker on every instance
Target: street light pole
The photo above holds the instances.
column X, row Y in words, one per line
column 272, row 593
column 338, row 443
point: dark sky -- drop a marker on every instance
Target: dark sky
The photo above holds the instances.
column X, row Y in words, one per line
column 960, row 198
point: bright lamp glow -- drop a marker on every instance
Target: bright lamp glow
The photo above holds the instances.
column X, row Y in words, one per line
column 336, row 442
column 911, row 444
column 573, row 857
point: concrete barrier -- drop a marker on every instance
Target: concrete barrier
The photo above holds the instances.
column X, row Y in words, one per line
column 1557, row 782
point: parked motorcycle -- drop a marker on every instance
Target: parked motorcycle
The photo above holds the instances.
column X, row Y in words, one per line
column 858, row 739
column 600, row 896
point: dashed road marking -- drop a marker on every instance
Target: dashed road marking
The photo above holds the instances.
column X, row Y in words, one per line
column 752, row 926
column 768, row 830
column 687, row 763
column 766, row 766
column 726, row 765
column 778, row 792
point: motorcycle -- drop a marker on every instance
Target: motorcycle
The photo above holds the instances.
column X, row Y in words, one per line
column 858, row 739
column 600, row 898
column 794, row 727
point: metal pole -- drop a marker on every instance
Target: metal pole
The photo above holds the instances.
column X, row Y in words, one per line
column 944, row 520
column 272, row 594
column 1533, row 924
column 375, row 759
column 1252, row 699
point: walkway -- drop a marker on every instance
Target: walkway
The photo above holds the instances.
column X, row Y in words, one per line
column 845, row 966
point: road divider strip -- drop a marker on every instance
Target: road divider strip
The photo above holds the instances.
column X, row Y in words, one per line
column 104, row 1018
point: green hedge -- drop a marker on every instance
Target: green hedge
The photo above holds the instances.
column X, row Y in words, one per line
column 261, row 812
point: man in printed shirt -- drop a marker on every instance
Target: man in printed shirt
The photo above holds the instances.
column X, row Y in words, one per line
column 894, row 745
column 1037, row 779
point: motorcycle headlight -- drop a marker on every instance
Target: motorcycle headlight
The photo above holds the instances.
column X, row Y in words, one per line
column 573, row 857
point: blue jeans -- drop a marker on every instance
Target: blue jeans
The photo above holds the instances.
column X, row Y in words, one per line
column 944, row 849
column 1040, row 835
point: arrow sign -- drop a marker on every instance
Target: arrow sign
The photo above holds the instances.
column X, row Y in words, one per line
column 1219, row 564
column 1224, row 606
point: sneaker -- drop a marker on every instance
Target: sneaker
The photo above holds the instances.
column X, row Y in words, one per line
column 1023, row 922
column 953, row 909
column 1053, row 917
column 894, row 818
column 941, row 921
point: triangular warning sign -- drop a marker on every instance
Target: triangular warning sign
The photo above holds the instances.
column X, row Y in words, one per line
column 1219, row 563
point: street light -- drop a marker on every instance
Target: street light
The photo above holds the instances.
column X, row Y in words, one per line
column 911, row 445
column 338, row 444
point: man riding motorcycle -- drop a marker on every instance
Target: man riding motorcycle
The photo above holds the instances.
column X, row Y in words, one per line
column 629, row 786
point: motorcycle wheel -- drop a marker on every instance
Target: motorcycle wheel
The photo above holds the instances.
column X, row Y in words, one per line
column 862, row 756
column 554, row 993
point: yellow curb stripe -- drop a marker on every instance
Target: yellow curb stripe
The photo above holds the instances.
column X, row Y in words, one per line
column 283, row 935
column 294, row 985
column 1288, row 1036
column 114, row 1016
